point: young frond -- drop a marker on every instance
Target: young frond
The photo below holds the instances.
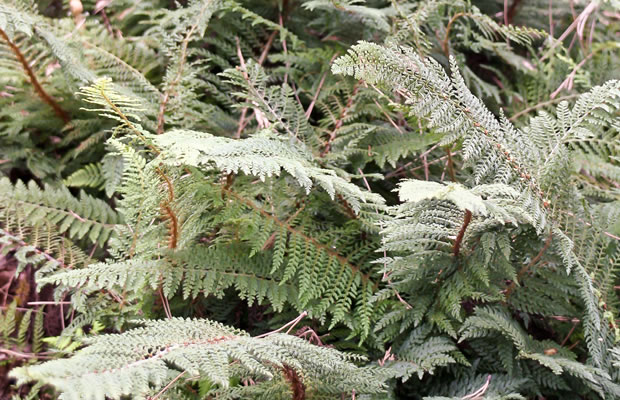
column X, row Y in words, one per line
column 125, row 64
column 109, row 102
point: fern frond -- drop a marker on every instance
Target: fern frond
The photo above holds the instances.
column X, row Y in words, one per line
column 126, row 64
column 272, row 104
column 17, row 18
column 189, row 272
column 368, row 15
column 89, row 176
column 263, row 155
column 110, row 102
column 42, row 246
column 84, row 217
column 449, row 106
column 142, row 360
column 489, row 320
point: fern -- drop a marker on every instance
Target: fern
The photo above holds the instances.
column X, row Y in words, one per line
column 144, row 359
column 262, row 155
column 16, row 328
column 85, row 217
column 491, row 147
column 89, row 176
column 427, row 191
column 436, row 220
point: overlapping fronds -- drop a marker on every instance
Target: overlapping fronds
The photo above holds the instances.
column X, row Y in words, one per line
column 263, row 155
column 451, row 244
column 433, row 185
column 196, row 271
column 272, row 104
column 143, row 360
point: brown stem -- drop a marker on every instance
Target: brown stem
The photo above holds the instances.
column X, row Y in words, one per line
column 459, row 237
column 106, row 22
column 172, row 225
column 512, row 11
column 168, row 386
column 340, row 120
column 168, row 214
column 290, row 325
column 21, row 355
column 127, row 122
column 388, row 117
column 261, row 97
column 593, row 5
column 162, row 111
column 542, row 104
column 347, row 207
column 575, row 322
column 526, row 268
column 402, row 170
column 265, row 52
column 450, row 165
column 446, row 38
column 269, row 242
column 33, row 79
column 297, row 385
column 261, row 60
column 318, row 90
column 43, row 253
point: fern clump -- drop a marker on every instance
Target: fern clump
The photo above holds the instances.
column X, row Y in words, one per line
column 316, row 199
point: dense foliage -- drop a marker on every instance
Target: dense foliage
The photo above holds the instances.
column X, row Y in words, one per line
column 227, row 199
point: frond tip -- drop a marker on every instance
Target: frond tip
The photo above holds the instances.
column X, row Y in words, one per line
column 109, row 102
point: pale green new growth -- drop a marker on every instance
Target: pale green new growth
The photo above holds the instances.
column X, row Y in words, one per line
column 464, row 199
